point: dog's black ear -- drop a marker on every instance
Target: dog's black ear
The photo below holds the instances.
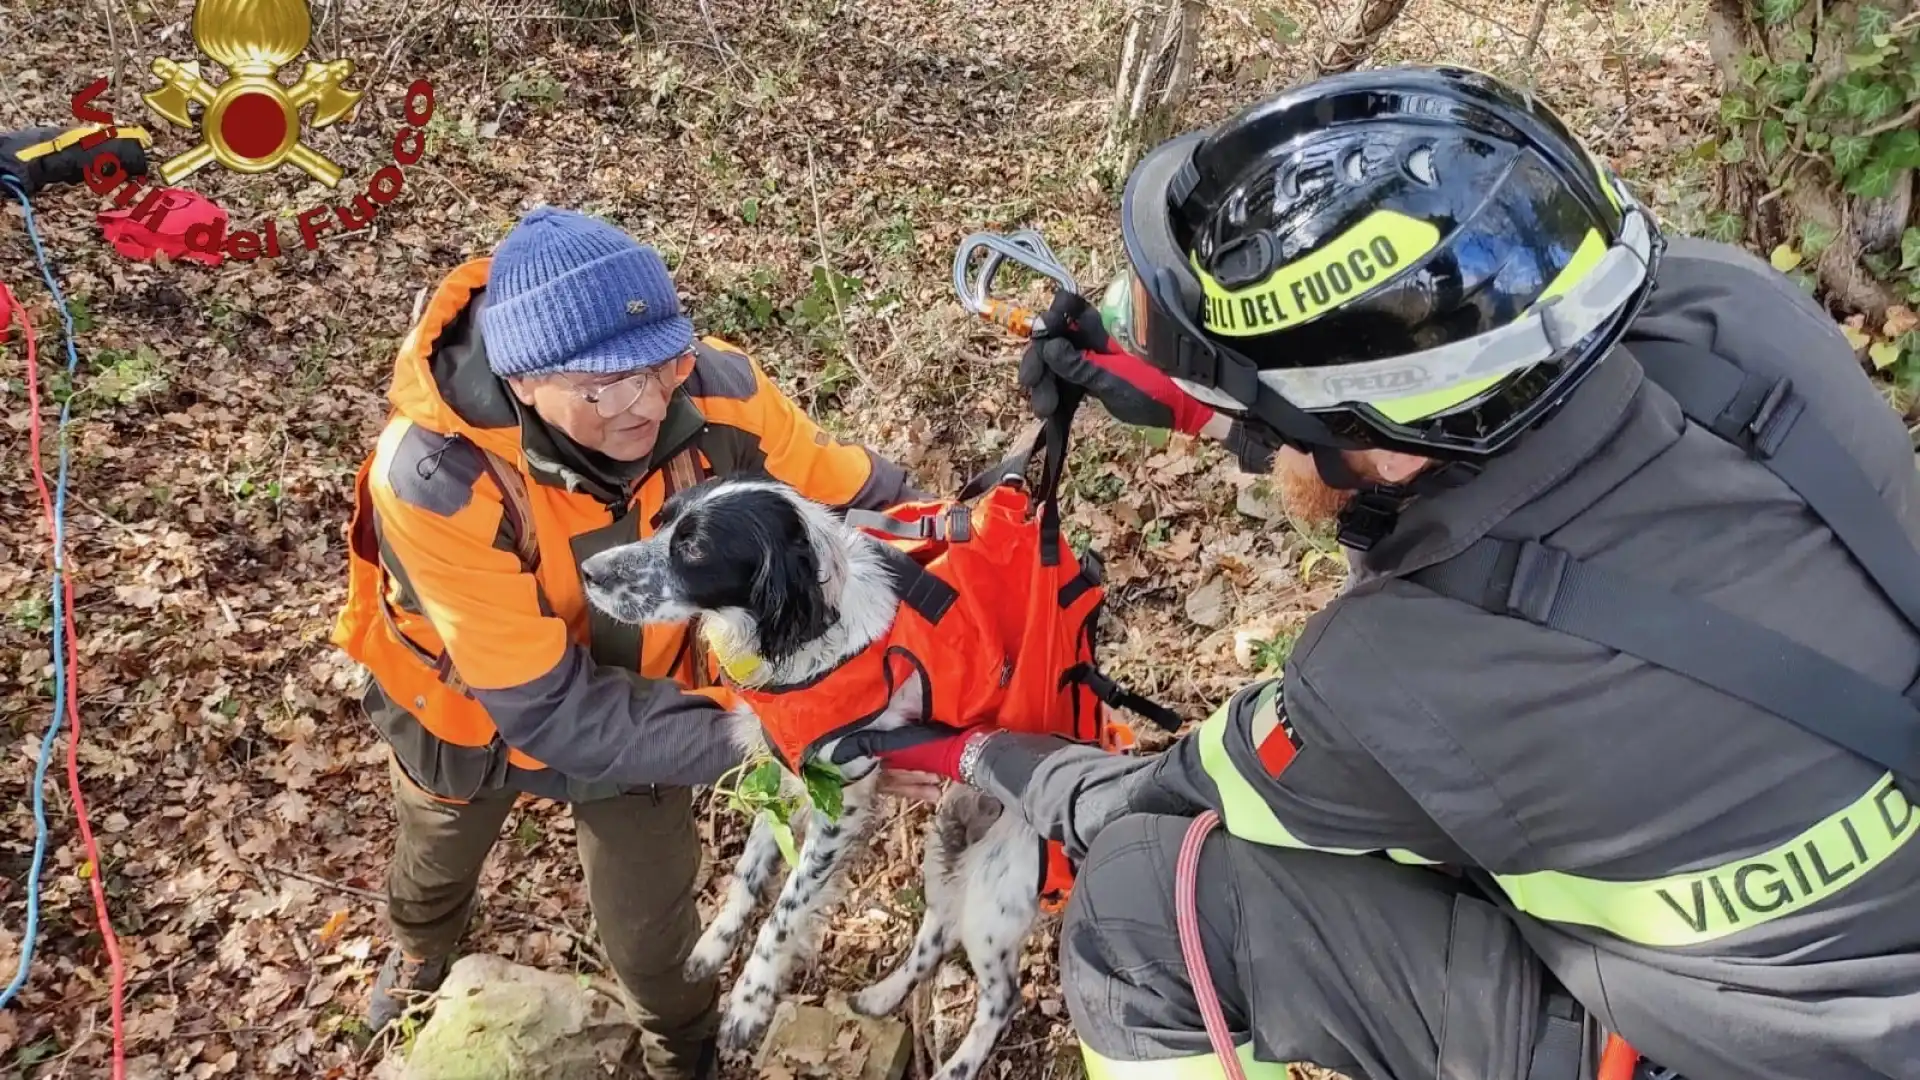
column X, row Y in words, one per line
column 789, row 601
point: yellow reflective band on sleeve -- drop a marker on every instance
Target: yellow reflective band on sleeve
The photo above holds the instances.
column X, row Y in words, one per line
column 1243, row 810
column 1198, row 1067
column 1691, row 908
column 1352, row 264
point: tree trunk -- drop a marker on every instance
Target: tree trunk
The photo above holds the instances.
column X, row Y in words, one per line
column 1156, row 63
column 1820, row 148
column 1364, row 29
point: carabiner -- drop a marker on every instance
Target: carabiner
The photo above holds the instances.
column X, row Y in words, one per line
column 1024, row 247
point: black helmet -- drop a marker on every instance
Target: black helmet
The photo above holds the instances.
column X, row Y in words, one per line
column 1418, row 259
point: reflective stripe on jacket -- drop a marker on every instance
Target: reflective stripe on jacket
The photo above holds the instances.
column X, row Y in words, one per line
column 485, row 673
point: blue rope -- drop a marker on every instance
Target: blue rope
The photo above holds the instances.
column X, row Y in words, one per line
column 59, row 638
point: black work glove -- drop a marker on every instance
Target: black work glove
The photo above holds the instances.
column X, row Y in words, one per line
column 1071, row 350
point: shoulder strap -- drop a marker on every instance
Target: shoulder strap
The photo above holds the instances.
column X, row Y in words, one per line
column 517, row 505
column 1740, row 658
column 1766, row 418
column 1691, row 637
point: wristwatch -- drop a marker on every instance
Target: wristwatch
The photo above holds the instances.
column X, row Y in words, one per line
column 970, row 755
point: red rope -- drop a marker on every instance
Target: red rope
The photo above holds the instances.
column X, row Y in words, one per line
column 119, row 975
column 1186, row 876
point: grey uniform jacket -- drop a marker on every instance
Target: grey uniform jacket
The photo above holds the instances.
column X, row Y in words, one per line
column 1734, row 895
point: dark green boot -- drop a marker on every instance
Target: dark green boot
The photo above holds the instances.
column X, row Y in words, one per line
column 409, row 980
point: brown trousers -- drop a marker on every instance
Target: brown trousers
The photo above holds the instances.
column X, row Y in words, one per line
column 640, row 852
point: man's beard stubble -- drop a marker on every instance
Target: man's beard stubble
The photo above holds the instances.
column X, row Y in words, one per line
column 1306, row 498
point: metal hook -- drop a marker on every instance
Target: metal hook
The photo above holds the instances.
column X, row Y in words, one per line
column 1024, row 247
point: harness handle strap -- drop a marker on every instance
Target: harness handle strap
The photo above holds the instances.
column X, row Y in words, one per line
column 1104, row 687
column 1690, row 637
column 1767, row 419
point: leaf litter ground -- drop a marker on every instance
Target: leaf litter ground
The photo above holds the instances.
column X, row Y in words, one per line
column 808, row 168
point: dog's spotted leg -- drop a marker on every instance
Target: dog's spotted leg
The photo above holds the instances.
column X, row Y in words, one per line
column 930, row 943
column 1002, row 877
column 748, row 883
column 750, row 1006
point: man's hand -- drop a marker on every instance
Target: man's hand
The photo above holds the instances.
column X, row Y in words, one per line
column 1075, row 351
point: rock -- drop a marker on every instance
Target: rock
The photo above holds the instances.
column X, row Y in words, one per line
column 1256, row 500
column 497, row 1020
column 1207, row 605
column 808, row 1041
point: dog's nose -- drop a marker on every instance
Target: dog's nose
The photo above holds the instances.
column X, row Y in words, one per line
column 590, row 572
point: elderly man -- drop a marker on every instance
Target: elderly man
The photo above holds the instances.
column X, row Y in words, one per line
column 546, row 403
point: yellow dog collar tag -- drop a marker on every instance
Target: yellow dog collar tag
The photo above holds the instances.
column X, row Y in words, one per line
column 741, row 668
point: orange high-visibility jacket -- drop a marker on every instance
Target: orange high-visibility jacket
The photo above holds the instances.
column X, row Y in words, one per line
column 489, row 668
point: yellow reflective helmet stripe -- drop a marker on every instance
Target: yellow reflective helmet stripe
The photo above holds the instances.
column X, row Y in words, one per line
column 1704, row 905
column 1197, row 1067
column 1243, row 810
column 1418, row 406
column 1350, row 265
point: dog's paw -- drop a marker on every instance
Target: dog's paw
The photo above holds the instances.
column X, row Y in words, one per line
column 880, row 999
column 708, row 956
column 742, row 1028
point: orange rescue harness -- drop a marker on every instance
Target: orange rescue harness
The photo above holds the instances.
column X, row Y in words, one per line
column 996, row 617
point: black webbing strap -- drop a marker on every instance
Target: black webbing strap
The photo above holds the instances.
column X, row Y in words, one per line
column 1692, row 637
column 919, row 589
column 1116, row 696
column 1766, row 418
column 1743, row 659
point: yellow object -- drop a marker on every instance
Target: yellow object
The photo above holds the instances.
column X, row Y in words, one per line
column 251, row 123
column 1350, row 265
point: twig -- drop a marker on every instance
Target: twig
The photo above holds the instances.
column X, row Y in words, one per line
column 1905, row 118
column 826, row 263
column 336, row 886
column 588, row 946
column 1533, row 39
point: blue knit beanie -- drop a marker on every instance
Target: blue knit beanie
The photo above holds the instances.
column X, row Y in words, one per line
column 568, row 292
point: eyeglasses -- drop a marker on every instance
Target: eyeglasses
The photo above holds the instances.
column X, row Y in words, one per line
column 611, row 399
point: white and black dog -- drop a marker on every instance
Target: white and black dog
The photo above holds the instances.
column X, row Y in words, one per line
column 776, row 576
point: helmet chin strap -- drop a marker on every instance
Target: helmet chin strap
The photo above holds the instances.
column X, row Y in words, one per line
column 1375, row 507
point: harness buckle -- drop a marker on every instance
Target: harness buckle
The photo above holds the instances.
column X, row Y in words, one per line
column 1367, row 519
column 1537, row 574
column 1773, row 419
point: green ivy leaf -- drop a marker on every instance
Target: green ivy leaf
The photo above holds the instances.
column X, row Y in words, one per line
column 1878, row 101
column 1815, row 238
column 1725, row 227
column 1901, row 148
column 1735, row 110
column 1818, row 140
column 1849, row 153
column 1878, row 263
column 825, row 788
column 1733, row 151
column 1874, row 180
column 1752, row 70
column 1867, row 60
column 1871, row 22
column 1910, row 250
column 750, row 210
column 763, row 781
column 1773, row 138
column 1778, row 11
column 1802, row 40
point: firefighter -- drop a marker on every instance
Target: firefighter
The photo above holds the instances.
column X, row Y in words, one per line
column 546, row 402
column 1608, row 732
